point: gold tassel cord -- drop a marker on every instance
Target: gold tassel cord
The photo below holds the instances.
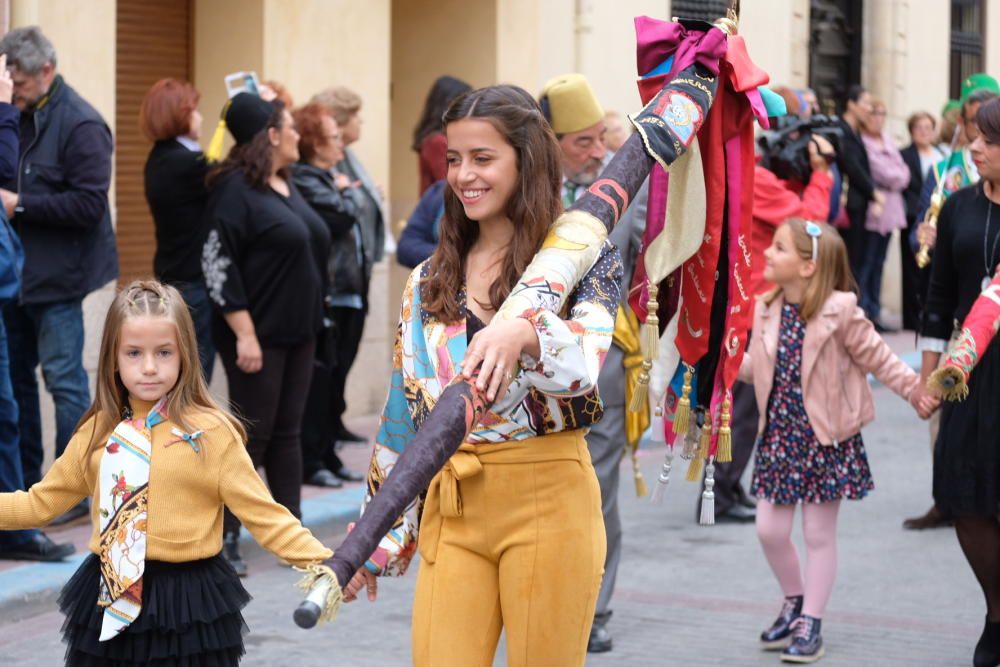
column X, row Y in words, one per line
column 651, row 329
column 682, row 417
column 724, row 453
column 949, row 382
column 641, row 489
column 317, row 575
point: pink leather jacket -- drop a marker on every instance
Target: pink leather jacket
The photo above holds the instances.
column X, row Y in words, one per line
column 840, row 348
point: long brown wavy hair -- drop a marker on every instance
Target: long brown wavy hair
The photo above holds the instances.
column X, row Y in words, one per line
column 533, row 205
column 190, row 394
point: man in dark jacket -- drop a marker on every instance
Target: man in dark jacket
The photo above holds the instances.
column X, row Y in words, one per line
column 58, row 203
column 14, row 544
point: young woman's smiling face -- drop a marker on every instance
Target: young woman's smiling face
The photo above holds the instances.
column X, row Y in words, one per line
column 149, row 361
column 482, row 168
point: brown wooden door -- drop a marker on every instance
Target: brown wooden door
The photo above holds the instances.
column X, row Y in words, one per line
column 153, row 42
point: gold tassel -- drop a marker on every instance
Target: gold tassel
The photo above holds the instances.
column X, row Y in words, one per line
column 214, row 151
column 641, row 490
column 694, row 468
column 641, row 388
column 949, row 382
column 320, row 575
column 682, row 416
column 724, row 452
column 651, row 329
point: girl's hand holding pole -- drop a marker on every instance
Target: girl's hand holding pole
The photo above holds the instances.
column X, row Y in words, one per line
column 362, row 578
column 498, row 347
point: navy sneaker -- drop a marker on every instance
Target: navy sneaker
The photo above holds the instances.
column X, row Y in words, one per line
column 779, row 635
column 807, row 643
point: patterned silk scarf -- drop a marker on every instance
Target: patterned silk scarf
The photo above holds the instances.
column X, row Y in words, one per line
column 124, row 484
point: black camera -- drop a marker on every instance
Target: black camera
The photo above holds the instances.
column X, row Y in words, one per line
column 785, row 150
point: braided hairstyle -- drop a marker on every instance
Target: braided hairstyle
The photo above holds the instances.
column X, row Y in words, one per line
column 150, row 298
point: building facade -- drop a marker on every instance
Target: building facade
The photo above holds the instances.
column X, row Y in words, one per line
column 911, row 53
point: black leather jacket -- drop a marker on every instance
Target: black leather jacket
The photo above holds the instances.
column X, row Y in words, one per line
column 348, row 270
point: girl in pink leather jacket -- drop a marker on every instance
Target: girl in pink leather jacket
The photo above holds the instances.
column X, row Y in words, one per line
column 811, row 350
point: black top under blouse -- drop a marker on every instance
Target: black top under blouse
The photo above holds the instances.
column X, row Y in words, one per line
column 176, row 194
column 266, row 253
column 961, row 259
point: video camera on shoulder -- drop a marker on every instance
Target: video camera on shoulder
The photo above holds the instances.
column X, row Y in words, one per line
column 785, row 151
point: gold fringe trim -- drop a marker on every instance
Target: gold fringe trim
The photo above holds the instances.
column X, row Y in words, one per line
column 641, row 389
column 724, row 452
column 319, row 575
column 682, row 416
column 950, row 383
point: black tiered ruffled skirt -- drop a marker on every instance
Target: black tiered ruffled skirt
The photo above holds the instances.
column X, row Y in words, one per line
column 190, row 618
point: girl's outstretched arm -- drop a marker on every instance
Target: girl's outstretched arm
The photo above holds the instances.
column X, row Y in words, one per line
column 63, row 487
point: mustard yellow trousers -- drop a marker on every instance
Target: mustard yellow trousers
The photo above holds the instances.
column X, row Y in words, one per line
column 511, row 538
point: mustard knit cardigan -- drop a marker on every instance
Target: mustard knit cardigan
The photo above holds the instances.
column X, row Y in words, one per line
column 187, row 491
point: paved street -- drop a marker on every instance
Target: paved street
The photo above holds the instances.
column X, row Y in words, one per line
column 687, row 595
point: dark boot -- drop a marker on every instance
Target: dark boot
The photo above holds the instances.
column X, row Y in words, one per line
column 807, row 644
column 934, row 518
column 779, row 634
column 231, row 552
column 988, row 648
column 600, row 639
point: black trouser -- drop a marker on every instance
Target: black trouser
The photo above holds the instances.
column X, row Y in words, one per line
column 271, row 402
column 326, row 404
column 728, row 489
column 854, row 239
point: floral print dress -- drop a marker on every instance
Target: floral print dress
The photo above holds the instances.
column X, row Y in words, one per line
column 791, row 465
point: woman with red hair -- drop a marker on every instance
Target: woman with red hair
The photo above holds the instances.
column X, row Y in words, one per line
column 175, row 191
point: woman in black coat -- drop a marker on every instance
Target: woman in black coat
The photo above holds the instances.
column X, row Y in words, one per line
column 338, row 202
column 175, row 191
column 920, row 156
column 853, row 160
column 264, row 261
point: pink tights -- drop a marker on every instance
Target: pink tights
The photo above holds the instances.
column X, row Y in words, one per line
column 819, row 525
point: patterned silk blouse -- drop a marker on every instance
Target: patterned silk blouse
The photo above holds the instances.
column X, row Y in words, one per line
column 557, row 392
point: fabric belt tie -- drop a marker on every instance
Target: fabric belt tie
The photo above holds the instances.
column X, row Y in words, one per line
column 468, row 462
column 462, row 465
